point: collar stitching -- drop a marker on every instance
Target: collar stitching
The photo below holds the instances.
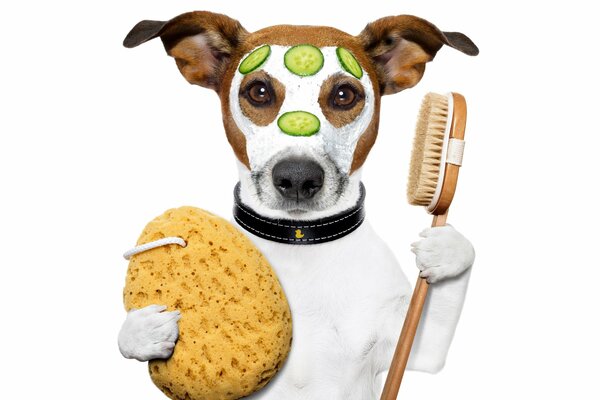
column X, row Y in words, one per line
column 299, row 226
column 299, row 240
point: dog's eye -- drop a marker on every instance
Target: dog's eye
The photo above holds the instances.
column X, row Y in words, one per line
column 259, row 94
column 344, row 97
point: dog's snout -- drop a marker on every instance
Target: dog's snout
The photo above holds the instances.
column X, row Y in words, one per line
column 298, row 178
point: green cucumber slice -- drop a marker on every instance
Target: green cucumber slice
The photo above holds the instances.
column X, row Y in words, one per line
column 255, row 59
column 299, row 123
column 349, row 62
column 304, row 60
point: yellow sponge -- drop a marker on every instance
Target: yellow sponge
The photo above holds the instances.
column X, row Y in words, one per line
column 236, row 327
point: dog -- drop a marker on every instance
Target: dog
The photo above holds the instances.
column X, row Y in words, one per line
column 301, row 123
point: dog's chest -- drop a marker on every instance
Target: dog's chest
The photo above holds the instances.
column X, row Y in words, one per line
column 334, row 291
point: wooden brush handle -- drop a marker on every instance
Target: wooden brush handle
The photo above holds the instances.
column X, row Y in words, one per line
column 409, row 329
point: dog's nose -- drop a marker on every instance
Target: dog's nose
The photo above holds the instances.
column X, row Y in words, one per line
column 298, row 178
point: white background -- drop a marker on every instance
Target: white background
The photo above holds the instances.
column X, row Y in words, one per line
column 97, row 139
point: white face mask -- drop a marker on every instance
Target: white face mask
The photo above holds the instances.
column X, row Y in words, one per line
column 329, row 144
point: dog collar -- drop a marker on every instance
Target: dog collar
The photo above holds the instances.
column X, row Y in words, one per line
column 299, row 232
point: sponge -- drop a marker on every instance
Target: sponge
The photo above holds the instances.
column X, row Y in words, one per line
column 236, row 328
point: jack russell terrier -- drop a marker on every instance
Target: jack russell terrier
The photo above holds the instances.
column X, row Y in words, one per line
column 300, row 108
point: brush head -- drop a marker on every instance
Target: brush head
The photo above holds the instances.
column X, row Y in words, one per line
column 437, row 152
column 426, row 160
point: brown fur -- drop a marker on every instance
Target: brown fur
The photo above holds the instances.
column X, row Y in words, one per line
column 262, row 116
column 207, row 47
column 405, row 66
column 235, row 136
column 366, row 140
column 188, row 50
column 337, row 117
column 402, row 45
column 202, row 44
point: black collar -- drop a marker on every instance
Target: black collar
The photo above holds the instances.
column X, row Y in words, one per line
column 299, row 232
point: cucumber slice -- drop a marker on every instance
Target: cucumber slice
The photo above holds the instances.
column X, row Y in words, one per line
column 299, row 123
column 304, row 60
column 255, row 59
column 349, row 62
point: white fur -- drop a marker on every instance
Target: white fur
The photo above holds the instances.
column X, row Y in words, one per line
column 248, row 195
column 348, row 300
column 149, row 333
column 438, row 246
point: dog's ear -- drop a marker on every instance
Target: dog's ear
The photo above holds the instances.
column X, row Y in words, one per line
column 400, row 46
column 201, row 42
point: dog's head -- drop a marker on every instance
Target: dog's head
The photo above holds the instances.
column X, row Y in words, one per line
column 300, row 104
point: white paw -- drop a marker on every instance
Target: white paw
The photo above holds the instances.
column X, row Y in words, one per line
column 443, row 253
column 149, row 333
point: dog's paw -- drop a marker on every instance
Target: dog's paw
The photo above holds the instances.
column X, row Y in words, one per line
column 443, row 253
column 149, row 333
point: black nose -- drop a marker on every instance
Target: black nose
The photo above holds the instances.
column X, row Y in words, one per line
column 298, row 178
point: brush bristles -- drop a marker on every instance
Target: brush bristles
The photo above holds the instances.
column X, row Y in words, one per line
column 426, row 156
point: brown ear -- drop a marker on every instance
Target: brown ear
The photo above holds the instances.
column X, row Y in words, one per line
column 201, row 42
column 401, row 45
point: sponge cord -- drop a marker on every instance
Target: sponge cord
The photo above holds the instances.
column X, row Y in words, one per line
column 152, row 245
